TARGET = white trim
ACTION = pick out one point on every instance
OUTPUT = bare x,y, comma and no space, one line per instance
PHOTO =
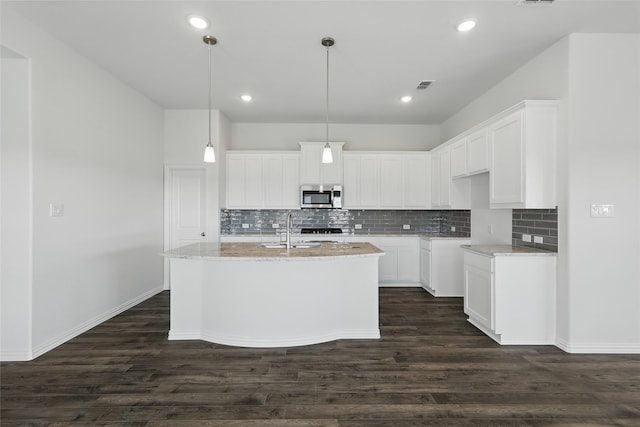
272,342
74,332
598,348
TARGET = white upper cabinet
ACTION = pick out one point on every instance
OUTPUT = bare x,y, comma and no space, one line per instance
362,178
445,192
281,176
313,171
522,147
416,177
386,180
261,180
391,183
459,159
478,152
518,149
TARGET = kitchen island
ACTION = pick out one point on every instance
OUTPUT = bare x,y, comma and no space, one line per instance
246,295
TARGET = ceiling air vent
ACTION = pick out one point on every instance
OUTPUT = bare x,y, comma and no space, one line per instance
535,2
424,84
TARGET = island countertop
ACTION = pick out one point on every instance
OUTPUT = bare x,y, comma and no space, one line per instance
253,251
506,250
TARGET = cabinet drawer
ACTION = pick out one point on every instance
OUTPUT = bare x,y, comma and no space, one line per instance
480,262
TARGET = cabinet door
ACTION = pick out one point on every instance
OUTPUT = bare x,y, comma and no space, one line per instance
388,266
478,152
281,190
445,178
435,179
361,181
506,179
353,182
391,181
310,164
459,159
370,181
425,268
478,291
409,261
235,181
253,185
416,182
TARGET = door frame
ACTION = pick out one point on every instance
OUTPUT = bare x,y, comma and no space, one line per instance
168,185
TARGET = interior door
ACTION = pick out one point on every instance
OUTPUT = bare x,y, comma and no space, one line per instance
187,207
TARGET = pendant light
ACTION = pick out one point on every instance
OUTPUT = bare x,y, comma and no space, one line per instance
209,154
327,156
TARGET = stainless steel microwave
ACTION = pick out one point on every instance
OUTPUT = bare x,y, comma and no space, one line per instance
321,196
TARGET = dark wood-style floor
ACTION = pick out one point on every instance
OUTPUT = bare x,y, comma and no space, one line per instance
431,368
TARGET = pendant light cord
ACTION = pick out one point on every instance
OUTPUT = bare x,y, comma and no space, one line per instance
209,92
327,105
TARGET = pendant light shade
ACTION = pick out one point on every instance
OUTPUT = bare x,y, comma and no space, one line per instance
209,153
327,156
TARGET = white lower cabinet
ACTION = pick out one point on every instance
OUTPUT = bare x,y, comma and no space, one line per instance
511,298
441,266
400,266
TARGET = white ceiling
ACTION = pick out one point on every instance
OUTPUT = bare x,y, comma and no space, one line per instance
272,50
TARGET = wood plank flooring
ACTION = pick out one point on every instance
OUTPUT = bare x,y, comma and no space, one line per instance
430,368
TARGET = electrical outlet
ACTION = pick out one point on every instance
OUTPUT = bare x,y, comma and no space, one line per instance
358,226
538,239
605,211
526,237
453,228
275,225
56,209
406,227
245,225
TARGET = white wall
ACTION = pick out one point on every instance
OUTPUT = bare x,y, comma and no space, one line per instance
604,167
96,148
15,208
285,136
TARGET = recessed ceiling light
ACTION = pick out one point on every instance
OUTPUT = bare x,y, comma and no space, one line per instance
246,98
406,99
467,25
198,22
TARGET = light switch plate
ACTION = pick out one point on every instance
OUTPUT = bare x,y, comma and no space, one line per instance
602,211
406,227
538,239
526,237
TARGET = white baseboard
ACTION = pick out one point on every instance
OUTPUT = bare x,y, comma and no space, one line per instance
598,348
72,333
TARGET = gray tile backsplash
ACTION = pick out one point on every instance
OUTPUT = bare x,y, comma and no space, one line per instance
372,221
536,222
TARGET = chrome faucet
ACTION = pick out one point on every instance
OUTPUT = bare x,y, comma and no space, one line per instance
289,224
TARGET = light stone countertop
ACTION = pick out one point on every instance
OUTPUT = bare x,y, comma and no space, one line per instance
252,251
506,250
307,237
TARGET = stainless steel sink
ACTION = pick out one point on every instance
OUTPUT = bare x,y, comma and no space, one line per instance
293,246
